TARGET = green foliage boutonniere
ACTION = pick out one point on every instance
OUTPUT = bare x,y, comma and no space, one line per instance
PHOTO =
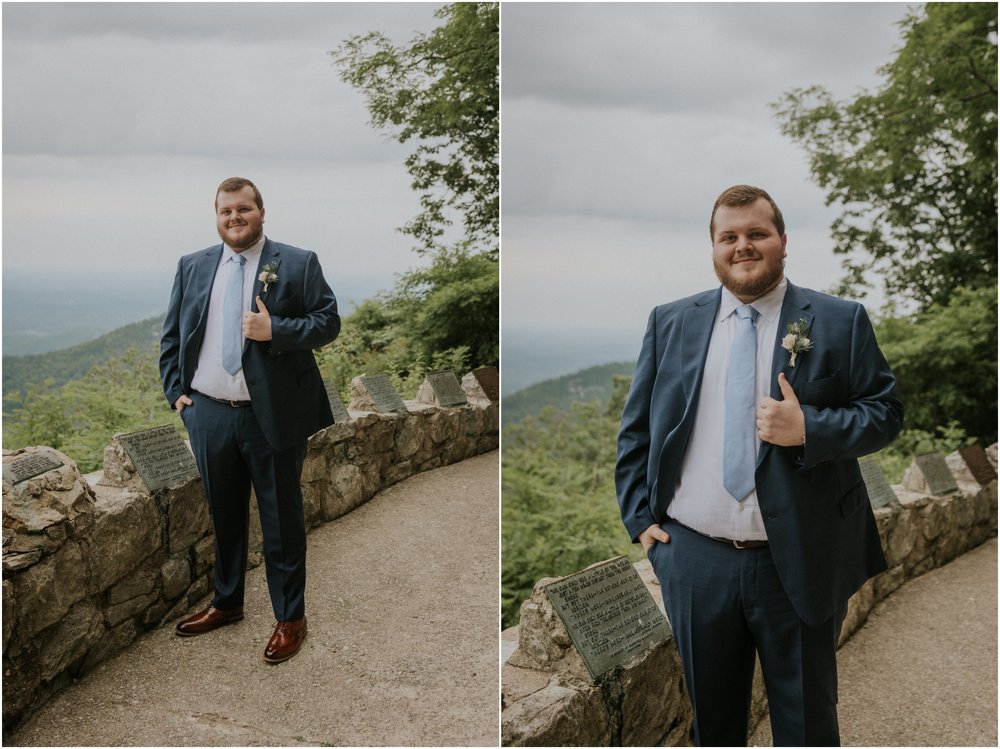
797,340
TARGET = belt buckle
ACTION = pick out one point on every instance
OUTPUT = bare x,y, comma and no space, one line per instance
740,545
234,404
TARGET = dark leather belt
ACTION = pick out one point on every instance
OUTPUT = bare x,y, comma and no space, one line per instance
727,541
234,404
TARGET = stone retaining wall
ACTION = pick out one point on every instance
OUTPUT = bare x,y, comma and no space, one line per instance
91,562
549,699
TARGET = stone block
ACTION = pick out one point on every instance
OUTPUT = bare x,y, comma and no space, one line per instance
9,611
64,643
176,576
136,607
902,538
409,438
188,519
126,530
204,555
142,582
111,642
558,716
653,697
47,590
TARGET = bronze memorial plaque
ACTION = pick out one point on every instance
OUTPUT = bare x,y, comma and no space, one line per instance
936,473
383,393
489,380
608,613
447,388
340,415
29,466
979,465
879,492
160,456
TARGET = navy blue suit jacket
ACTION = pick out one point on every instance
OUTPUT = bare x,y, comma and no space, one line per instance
285,385
814,504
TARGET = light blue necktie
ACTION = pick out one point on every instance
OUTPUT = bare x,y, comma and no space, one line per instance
232,310
738,459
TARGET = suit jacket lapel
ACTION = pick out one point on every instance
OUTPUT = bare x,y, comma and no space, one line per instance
696,334
269,254
208,265
795,307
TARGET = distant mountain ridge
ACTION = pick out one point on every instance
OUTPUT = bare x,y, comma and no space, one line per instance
591,384
74,362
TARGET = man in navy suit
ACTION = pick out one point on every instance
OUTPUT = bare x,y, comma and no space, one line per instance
236,361
737,471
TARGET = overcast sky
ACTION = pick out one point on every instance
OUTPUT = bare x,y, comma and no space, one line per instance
120,119
623,122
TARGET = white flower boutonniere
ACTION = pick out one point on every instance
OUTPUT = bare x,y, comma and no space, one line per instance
267,275
797,341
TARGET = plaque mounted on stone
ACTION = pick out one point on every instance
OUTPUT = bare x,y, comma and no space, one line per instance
489,380
979,464
442,389
340,415
609,614
29,466
879,492
378,393
160,456
937,475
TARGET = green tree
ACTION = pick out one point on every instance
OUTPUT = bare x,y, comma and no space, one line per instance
945,363
559,512
443,90
913,166
80,417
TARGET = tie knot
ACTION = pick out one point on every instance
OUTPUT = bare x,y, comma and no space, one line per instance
239,260
746,312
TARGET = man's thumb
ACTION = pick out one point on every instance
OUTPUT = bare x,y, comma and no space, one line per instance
786,388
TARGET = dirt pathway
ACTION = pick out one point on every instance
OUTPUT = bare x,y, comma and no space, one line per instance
923,670
402,599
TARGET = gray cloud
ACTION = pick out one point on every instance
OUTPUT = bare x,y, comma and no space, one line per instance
621,124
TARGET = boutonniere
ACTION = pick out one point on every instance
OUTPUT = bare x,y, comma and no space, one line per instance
267,275
797,341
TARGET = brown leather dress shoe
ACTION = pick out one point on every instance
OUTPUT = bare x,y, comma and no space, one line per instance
207,620
286,640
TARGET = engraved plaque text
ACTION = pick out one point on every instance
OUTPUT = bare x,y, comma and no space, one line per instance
879,492
447,388
936,473
608,613
383,393
160,456
22,469
340,415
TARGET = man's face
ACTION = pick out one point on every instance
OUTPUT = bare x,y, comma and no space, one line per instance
239,220
747,252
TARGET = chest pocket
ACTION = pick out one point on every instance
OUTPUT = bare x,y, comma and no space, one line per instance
826,392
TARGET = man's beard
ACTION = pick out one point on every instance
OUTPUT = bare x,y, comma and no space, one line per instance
751,288
245,242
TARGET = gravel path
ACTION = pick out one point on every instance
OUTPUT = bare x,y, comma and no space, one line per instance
403,604
923,670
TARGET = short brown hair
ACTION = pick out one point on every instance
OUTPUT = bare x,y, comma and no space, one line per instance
741,195
235,184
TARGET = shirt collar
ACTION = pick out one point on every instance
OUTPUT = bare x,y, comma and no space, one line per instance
251,253
767,306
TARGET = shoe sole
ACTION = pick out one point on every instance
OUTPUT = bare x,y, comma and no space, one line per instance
205,632
287,657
